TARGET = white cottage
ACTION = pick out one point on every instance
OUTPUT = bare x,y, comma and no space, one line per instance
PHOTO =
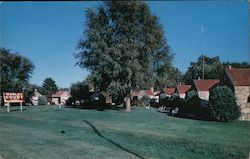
60,97
204,86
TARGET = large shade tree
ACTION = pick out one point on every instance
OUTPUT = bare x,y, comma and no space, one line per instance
16,71
123,47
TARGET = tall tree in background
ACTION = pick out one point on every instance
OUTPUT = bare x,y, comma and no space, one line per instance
80,91
213,69
237,64
123,45
16,71
49,87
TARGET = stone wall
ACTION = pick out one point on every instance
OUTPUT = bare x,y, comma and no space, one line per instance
242,93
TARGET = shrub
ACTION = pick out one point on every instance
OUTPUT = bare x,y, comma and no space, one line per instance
42,100
192,98
223,104
174,96
71,101
176,101
166,102
118,99
145,100
191,94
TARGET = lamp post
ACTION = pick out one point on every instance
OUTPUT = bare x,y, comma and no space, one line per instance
21,104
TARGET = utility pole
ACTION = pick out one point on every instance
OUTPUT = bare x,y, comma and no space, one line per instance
203,63
178,78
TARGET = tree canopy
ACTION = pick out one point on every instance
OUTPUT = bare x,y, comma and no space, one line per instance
237,64
213,68
16,71
123,47
80,90
49,87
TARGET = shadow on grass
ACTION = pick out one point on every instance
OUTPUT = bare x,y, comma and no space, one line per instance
94,107
114,143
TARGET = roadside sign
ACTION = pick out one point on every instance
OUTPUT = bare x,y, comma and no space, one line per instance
13,98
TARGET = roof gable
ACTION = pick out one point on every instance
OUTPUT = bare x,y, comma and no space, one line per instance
239,76
183,88
205,85
169,91
149,92
60,93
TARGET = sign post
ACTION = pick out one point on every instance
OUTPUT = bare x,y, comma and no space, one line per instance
13,98
21,106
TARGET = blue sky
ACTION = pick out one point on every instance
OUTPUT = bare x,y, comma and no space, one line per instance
47,33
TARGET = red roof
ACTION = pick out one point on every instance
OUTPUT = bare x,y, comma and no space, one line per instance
149,92
205,85
136,93
239,76
169,91
58,94
183,88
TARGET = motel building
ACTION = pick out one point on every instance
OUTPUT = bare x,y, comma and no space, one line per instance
60,97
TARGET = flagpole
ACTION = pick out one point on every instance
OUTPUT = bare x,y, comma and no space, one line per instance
203,36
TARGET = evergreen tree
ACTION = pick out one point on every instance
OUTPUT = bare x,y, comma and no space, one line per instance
49,87
223,104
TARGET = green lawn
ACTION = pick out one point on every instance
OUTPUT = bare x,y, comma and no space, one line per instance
143,133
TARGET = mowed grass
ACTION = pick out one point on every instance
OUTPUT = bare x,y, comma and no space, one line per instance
111,134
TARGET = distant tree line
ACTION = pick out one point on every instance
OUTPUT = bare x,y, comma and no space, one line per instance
213,68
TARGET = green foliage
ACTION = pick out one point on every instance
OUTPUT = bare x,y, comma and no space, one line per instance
80,91
213,69
191,94
236,64
174,96
192,100
123,47
71,101
168,78
16,71
145,100
223,103
42,100
49,87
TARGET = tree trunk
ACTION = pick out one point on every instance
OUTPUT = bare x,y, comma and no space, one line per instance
128,104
